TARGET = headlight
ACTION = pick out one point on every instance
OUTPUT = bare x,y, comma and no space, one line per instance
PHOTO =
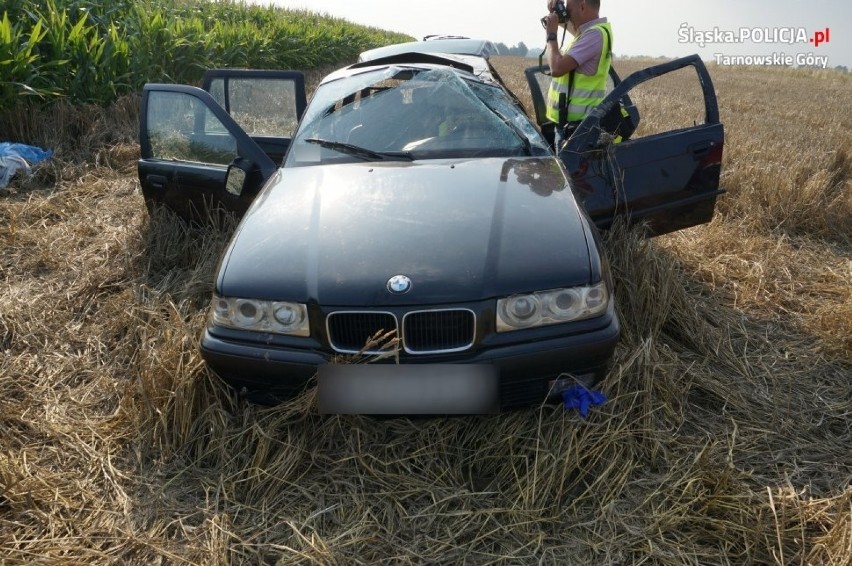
277,317
551,307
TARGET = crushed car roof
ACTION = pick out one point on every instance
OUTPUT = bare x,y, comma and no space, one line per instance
477,47
476,66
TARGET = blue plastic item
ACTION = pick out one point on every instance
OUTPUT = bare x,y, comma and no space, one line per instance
580,398
16,157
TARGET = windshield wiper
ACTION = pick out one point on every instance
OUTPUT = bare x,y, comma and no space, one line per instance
362,152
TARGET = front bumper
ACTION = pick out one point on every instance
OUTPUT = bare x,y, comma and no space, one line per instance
525,368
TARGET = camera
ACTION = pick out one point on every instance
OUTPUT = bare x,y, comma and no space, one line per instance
561,10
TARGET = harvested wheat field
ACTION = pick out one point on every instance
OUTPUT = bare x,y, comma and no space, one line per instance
727,437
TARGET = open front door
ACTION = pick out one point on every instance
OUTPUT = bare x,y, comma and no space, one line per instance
669,180
196,158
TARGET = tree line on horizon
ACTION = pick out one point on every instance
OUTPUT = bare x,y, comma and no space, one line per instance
520,49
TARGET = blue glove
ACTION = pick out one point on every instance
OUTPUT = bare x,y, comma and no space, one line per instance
580,398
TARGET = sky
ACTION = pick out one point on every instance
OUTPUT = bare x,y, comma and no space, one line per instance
669,28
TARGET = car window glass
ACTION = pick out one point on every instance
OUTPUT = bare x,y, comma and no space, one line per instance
432,114
671,102
327,95
262,107
181,127
496,100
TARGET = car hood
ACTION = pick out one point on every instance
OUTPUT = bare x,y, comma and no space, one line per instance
461,230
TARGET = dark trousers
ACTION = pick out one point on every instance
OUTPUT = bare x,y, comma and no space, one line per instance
561,134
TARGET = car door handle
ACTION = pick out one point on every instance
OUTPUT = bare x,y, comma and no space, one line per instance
157,181
699,150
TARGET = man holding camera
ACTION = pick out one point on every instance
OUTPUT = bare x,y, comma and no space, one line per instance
580,72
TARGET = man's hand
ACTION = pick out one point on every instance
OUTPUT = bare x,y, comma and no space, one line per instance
551,22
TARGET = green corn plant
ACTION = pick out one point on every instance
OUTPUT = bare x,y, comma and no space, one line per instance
22,70
92,51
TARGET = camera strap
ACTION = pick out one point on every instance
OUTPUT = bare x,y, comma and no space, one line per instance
564,100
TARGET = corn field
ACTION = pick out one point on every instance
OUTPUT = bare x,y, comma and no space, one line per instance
93,51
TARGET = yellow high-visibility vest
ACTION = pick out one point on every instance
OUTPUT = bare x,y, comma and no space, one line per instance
588,90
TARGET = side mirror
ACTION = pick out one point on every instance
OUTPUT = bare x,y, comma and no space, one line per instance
235,180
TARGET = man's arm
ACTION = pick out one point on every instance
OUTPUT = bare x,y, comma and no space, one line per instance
584,55
559,64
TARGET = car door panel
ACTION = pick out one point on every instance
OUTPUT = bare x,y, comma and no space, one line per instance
668,180
188,141
188,189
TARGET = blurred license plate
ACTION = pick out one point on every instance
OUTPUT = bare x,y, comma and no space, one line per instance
406,389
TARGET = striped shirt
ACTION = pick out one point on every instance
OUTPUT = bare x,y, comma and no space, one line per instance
586,50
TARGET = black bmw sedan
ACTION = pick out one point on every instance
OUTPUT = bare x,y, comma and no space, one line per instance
409,236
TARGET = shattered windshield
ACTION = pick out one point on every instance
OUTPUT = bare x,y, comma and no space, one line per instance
398,113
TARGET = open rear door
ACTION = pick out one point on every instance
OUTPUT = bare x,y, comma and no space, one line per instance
668,180
196,158
267,105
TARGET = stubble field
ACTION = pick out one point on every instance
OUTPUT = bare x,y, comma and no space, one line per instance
726,438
